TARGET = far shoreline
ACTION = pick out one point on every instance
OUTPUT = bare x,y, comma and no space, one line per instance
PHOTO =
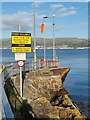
79,48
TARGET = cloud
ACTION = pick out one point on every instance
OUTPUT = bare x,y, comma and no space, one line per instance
56,6
56,27
68,13
65,11
10,22
59,27
36,4
82,24
0,22
72,8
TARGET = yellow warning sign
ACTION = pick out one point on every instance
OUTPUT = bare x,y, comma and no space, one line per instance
21,42
21,49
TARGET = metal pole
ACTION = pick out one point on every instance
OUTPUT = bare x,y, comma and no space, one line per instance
44,52
21,74
19,29
19,26
21,82
34,38
53,39
45,47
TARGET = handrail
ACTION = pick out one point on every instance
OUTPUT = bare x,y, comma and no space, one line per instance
0,98
13,69
7,71
5,109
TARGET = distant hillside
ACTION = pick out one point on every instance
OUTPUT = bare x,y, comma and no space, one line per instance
71,42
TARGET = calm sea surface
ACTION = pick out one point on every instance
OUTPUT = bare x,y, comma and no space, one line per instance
77,79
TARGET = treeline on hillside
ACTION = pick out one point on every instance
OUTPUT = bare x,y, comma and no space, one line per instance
71,42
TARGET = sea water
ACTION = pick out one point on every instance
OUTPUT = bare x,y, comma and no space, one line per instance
76,82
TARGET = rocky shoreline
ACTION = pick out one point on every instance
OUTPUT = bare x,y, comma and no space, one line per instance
44,92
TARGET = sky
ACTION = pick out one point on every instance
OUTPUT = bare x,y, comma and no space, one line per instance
71,18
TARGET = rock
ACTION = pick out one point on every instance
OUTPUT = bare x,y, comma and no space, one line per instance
43,109
46,95
66,102
46,86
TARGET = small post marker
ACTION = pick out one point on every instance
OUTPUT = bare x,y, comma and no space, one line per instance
21,64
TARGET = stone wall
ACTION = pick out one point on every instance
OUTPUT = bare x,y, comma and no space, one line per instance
46,95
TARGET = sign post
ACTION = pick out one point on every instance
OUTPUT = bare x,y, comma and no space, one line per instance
21,44
21,88
21,64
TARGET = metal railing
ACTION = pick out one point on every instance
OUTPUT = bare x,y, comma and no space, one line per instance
12,69
0,98
6,106
5,109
